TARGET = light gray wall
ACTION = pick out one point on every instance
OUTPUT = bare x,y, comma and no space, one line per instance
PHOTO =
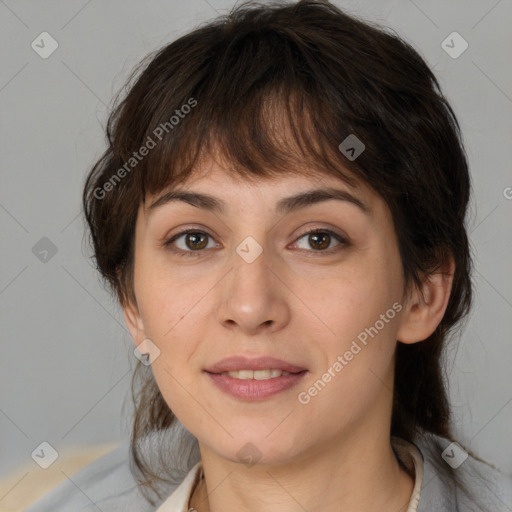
66,354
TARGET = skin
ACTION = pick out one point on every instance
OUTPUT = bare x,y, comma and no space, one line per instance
293,302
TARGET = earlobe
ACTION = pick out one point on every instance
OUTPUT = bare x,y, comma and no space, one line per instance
425,308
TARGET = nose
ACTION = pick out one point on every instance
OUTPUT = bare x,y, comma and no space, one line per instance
254,296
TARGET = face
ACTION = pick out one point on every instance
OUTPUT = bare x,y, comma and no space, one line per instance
248,280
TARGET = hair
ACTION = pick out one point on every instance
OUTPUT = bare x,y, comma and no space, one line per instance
273,89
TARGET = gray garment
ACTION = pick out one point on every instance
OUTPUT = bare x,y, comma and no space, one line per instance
107,485
439,489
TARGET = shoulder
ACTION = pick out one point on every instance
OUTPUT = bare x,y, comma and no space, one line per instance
106,484
455,481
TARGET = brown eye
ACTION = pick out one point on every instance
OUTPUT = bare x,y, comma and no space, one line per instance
320,239
188,243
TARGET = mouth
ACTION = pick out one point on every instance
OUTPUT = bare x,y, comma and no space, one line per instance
254,379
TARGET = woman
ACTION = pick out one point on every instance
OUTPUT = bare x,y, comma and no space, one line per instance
281,214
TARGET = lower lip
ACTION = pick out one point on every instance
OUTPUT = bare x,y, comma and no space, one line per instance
255,389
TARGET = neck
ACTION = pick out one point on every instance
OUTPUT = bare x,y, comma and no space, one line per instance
368,477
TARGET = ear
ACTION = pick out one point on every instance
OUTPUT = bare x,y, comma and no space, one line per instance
425,308
134,322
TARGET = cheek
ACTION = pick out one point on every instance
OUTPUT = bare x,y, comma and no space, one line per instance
182,393
166,297
358,308
354,297
354,341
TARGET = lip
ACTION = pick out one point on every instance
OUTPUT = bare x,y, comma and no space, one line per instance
255,389
233,363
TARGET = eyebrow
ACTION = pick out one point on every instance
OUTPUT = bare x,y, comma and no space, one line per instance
285,205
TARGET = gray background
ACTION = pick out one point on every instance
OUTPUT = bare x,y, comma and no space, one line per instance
66,354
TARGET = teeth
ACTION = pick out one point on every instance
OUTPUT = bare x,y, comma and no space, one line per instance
256,375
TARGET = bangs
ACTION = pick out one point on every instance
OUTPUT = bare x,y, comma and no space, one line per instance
262,137
258,112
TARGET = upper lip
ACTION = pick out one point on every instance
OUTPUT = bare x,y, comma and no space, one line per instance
233,363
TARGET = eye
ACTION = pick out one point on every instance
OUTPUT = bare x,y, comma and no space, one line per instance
320,239
192,244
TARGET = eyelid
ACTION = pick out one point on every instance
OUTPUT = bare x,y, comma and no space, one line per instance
166,239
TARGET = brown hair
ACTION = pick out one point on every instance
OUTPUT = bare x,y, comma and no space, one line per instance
318,75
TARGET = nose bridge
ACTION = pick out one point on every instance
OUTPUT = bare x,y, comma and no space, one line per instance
252,296
251,236
251,272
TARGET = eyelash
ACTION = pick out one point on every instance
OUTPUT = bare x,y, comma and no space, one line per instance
180,252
